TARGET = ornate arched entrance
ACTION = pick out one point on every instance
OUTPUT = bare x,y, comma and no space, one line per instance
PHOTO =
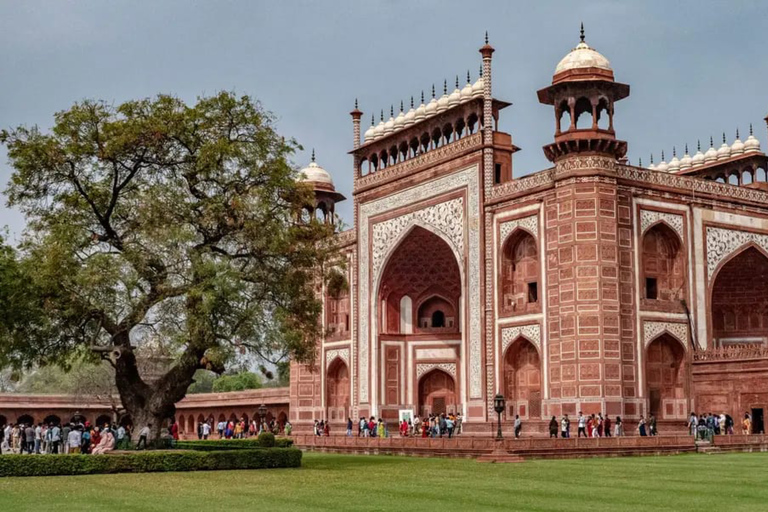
665,377
663,264
740,300
337,390
522,380
437,393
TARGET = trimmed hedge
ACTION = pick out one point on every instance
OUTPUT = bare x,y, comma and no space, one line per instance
230,444
149,461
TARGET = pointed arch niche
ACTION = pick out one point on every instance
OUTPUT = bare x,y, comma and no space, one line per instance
662,265
522,379
519,290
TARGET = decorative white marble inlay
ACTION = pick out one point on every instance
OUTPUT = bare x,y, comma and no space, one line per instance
466,178
530,224
650,217
722,242
652,329
530,332
422,369
341,353
447,218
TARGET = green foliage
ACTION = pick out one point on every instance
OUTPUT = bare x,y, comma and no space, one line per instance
237,382
81,378
266,439
145,462
230,444
156,220
203,382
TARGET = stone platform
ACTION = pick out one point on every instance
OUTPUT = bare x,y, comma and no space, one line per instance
476,447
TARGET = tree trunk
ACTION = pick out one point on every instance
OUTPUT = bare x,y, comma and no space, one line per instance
151,405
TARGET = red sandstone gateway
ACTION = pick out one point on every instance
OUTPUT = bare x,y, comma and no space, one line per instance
593,286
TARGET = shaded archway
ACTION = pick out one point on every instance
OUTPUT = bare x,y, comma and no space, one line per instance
26,419
519,290
740,300
437,393
102,419
337,390
436,313
52,419
663,264
522,380
665,377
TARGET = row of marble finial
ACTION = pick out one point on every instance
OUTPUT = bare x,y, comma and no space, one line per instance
712,155
424,111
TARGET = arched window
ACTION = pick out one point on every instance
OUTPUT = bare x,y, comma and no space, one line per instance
603,114
733,179
436,313
663,264
519,274
583,113
564,122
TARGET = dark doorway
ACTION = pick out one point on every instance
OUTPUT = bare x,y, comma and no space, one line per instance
438,319
438,405
757,421
655,401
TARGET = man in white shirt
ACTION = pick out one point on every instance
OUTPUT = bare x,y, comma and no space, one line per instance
206,430
74,439
143,436
38,437
582,425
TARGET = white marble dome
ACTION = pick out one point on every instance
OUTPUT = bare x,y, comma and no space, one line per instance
313,173
698,158
724,152
581,57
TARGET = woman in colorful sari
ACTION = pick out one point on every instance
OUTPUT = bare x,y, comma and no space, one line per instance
746,425
380,429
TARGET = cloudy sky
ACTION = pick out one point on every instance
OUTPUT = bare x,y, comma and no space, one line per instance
696,68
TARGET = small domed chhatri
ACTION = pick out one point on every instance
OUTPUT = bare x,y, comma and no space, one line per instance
316,175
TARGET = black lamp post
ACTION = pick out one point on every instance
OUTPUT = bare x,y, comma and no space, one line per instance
262,413
498,406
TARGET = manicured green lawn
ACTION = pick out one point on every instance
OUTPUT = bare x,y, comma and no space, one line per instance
348,482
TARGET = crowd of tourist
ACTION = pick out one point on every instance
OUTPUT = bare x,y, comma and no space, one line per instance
52,438
241,429
595,425
706,425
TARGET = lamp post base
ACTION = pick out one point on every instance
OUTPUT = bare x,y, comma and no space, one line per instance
500,455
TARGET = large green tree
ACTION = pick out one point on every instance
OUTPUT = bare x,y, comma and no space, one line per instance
154,220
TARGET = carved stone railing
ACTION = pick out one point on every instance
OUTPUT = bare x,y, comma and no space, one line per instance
423,160
732,353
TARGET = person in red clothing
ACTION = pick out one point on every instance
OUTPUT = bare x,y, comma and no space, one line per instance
174,430
372,427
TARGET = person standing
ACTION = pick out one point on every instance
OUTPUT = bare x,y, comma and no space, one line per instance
29,438
607,426
54,433
641,427
450,425
746,424
206,429
74,440
553,427
582,425
349,427
618,430
564,426
652,424
38,437
518,426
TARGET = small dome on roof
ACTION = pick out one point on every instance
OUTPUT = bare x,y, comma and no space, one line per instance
477,88
581,57
698,158
751,145
725,151
737,148
313,173
711,154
